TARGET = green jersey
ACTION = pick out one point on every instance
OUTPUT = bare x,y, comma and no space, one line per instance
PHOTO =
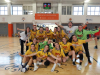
83,34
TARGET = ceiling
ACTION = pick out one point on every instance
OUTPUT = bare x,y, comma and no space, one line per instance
51,1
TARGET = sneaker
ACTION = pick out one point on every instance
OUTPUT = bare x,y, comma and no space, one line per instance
79,67
35,68
24,70
52,70
95,47
74,64
58,64
37,62
90,62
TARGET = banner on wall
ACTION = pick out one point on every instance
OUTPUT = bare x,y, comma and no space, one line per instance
46,16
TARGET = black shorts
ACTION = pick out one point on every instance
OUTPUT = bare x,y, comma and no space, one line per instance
77,52
71,47
66,54
34,57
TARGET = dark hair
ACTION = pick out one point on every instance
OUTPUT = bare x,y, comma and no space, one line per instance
48,48
96,27
26,30
71,38
33,44
71,22
58,44
66,39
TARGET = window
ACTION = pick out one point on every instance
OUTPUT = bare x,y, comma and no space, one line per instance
28,10
63,10
16,10
69,9
3,10
78,10
93,10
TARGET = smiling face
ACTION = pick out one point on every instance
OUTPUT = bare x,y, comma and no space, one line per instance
70,24
41,29
49,41
33,47
46,48
56,45
80,28
47,29
34,40
64,40
34,27
59,29
28,29
74,38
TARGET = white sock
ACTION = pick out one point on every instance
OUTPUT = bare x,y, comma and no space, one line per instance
23,64
73,59
40,63
35,65
58,64
27,66
54,66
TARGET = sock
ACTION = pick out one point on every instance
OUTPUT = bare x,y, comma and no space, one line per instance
54,66
23,64
58,64
35,65
40,63
73,59
27,66
80,63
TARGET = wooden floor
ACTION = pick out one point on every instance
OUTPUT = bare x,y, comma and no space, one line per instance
10,61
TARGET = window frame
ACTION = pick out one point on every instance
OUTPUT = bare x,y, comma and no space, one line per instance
78,10
3,10
17,9
94,10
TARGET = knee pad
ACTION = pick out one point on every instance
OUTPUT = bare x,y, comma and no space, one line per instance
47,63
34,57
81,56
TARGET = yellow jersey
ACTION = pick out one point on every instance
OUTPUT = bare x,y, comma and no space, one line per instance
59,52
49,34
78,48
36,46
65,47
41,53
40,35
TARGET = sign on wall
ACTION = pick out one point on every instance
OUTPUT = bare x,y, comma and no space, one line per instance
46,16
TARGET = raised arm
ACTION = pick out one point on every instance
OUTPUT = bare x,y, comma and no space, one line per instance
21,29
59,25
88,40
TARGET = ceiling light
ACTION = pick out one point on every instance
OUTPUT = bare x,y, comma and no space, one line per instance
7,0
86,1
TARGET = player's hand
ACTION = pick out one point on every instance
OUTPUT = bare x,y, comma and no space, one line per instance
59,59
17,28
26,41
20,54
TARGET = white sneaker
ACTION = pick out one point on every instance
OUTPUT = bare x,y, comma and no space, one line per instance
80,67
58,64
35,68
24,70
52,70
37,62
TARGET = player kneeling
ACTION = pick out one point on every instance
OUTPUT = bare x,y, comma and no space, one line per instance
78,49
30,60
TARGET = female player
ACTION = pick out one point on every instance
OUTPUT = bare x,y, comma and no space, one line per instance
78,49
24,36
61,34
29,59
82,34
57,52
34,42
68,50
55,34
44,56
33,32
40,35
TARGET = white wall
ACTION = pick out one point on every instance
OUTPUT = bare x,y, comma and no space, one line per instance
62,18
